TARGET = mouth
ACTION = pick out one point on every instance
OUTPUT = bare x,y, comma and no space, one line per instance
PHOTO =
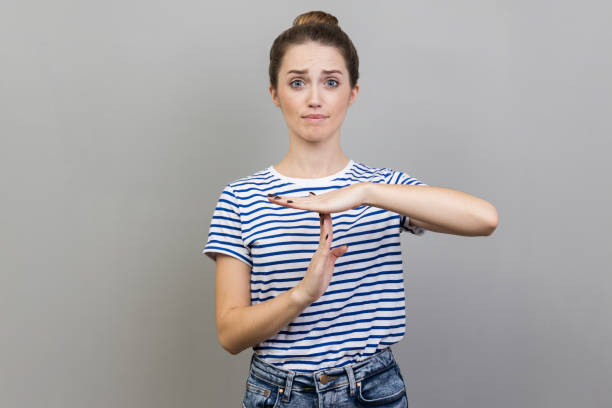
314,118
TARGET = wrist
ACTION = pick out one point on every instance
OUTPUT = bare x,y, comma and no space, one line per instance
298,297
366,188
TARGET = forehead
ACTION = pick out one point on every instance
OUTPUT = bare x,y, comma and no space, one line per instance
313,57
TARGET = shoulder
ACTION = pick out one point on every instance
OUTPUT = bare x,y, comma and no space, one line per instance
374,174
239,188
387,175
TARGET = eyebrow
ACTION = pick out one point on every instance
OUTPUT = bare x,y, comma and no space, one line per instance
303,71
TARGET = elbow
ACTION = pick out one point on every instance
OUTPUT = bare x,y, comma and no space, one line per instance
229,343
227,346
491,222
484,221
489,230
232,352
227,336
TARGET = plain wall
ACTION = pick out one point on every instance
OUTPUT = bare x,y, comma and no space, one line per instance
121,122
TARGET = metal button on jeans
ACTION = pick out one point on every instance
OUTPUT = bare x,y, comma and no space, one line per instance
326,378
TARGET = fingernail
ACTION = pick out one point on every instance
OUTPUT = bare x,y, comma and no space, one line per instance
326,235
289,201
277,197
312,193
270,195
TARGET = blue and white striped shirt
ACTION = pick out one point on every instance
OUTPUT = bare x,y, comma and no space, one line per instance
363,308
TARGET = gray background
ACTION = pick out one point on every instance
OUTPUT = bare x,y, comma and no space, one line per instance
121,121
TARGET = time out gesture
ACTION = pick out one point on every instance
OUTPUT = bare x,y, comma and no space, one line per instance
321,267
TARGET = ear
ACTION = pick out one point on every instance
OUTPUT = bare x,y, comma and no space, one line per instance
274,95
353,94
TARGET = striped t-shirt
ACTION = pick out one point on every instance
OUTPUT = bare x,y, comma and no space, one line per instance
363,309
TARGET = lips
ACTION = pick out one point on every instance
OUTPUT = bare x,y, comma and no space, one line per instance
315,116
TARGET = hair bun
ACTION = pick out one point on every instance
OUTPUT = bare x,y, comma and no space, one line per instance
315,17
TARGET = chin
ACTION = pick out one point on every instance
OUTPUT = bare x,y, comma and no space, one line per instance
316,135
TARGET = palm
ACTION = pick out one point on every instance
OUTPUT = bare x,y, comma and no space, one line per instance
321,267
334,201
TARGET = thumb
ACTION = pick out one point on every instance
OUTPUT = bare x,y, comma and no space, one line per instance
339,251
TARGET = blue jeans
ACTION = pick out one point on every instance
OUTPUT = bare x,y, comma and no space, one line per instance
373,382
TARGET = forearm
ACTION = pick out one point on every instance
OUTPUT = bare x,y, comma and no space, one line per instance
246,326
452,210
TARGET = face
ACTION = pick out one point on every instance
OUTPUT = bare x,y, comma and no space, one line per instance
305,88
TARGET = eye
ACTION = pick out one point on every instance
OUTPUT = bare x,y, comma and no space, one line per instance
294,81
333,80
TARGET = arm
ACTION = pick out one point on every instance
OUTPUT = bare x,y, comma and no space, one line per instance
437,209
240,325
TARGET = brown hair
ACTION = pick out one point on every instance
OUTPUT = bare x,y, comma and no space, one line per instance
317,26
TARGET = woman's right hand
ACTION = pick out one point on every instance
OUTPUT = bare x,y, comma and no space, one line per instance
319,273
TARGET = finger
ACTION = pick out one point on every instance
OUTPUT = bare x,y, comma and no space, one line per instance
339,251
324,238
326,231
322,230
327,225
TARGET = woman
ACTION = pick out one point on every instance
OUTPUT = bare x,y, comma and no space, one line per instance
321,327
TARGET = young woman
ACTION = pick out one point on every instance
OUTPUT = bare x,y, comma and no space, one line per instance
308,264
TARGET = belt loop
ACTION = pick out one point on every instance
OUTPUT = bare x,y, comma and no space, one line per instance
351,378
251,363
288,385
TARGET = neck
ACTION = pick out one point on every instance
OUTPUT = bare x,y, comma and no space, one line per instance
312,160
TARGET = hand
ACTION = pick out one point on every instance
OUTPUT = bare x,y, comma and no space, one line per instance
333,201
321,267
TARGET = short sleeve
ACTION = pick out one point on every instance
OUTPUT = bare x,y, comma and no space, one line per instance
225,232
398,177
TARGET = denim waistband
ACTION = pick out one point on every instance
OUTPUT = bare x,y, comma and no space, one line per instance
332,377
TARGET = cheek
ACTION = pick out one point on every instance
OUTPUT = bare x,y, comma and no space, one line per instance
292,105
340,106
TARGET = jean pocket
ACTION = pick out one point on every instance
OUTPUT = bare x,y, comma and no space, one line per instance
381,388
259,393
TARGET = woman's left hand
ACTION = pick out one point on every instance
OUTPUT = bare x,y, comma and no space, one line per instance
333,201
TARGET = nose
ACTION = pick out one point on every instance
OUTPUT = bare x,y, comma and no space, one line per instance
313,97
